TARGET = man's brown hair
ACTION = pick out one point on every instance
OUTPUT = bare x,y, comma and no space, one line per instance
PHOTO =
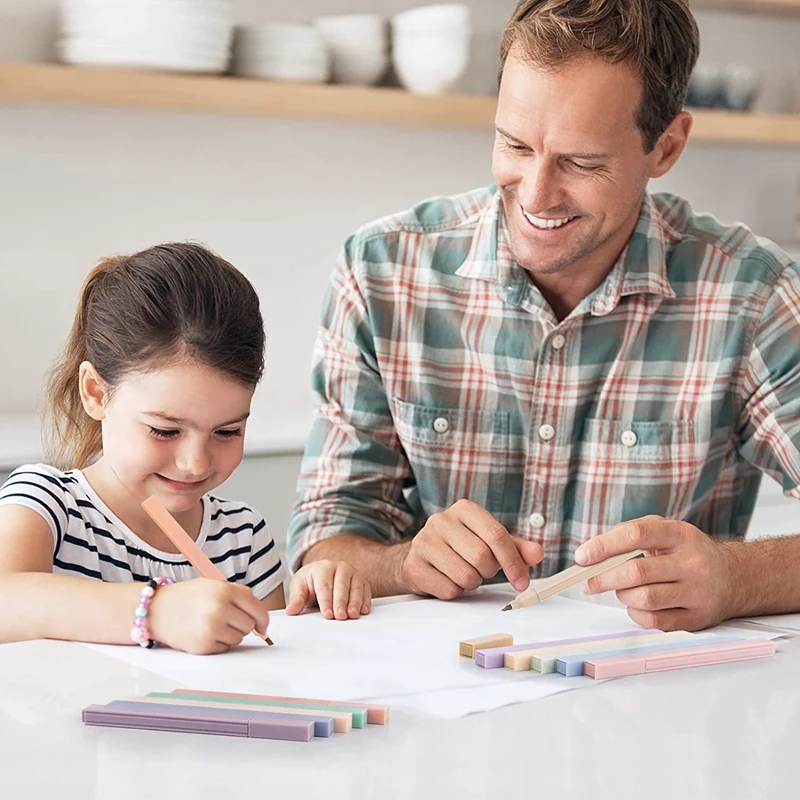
658,38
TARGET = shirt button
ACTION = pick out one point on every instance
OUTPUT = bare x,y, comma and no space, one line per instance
557,342
547,432
537,520
629,438
441,425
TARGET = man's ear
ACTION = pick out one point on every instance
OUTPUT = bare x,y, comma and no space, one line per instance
670,145
94,394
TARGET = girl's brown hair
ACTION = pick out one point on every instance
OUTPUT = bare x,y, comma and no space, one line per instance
153,308
659,38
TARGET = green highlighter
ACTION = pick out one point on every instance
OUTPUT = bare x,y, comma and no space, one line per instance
359,714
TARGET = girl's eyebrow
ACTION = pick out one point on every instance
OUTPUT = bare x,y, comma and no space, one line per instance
187,423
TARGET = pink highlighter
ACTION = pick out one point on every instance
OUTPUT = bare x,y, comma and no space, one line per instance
178,536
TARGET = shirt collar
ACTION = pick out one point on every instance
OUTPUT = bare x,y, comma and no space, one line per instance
640,269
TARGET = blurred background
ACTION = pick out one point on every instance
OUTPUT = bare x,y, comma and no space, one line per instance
94,165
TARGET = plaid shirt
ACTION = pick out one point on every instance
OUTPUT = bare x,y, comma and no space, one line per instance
441,373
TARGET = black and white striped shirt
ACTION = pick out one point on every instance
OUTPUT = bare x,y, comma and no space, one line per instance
90,541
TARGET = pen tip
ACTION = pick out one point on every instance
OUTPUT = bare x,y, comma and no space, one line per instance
507,608
269,641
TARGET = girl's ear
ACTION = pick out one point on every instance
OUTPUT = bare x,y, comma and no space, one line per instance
93,391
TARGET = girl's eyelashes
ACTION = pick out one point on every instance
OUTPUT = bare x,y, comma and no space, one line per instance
223,433
229,433
161,433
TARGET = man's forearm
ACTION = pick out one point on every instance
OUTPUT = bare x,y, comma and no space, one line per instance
765,575
380,564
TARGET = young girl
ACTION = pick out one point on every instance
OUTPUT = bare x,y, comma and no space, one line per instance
151,397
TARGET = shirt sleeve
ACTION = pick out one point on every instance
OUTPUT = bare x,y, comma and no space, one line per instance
770,423
354,469
265,570
33,487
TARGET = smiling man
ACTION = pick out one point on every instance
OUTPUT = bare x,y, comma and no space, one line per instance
562,366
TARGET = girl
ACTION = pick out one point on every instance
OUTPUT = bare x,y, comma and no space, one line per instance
151,397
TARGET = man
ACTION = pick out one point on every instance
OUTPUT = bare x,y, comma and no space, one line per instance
562,367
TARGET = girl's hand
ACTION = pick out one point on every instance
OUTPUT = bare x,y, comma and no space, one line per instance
203,616
336,587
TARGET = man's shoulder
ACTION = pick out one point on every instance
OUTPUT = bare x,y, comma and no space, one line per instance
699,243
435,216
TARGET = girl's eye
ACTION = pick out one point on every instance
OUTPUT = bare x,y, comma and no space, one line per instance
229,433
161,433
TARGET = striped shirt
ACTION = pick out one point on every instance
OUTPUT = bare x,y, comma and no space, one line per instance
90,541
440,372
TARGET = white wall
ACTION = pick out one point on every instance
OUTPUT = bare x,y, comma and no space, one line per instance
278,197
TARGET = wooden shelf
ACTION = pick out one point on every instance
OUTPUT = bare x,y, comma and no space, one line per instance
56,83
780,7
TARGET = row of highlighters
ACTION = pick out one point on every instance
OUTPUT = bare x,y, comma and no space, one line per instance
253,716
614,655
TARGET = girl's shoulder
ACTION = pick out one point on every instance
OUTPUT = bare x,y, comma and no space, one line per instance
53,481
231,513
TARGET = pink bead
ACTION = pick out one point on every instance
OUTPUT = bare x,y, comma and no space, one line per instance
145,601
139,635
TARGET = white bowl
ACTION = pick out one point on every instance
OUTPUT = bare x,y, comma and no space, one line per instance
283,70
352,28
430,64
358,45
427,19
359,69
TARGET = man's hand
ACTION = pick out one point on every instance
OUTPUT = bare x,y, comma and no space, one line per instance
459,547
685,582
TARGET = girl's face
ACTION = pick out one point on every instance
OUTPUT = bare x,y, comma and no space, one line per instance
176,432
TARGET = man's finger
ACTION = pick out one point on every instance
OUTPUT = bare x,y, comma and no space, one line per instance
654,597
472,549
499,541
647,533
441,556
429,580
673,619
636,572
530,552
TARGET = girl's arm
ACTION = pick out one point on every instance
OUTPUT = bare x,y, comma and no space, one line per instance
39,605
275,600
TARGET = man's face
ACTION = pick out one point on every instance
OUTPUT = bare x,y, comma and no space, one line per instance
570,164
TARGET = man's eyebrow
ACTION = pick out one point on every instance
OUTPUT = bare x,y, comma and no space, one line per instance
582,155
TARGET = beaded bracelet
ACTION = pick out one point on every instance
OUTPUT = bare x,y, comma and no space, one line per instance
140,632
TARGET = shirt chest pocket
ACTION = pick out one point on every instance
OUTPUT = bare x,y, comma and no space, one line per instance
454,453
625,470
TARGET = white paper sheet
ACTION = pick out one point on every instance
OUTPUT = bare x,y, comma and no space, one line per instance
404,654
400,650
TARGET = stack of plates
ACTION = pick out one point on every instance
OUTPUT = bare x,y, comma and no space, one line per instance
181,35
282,52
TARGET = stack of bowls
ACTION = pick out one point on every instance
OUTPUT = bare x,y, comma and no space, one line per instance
282,52
181,35
430,46
358,47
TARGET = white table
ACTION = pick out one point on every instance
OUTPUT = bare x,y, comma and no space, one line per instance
730,732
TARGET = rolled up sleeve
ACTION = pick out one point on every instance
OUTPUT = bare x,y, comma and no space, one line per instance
354,470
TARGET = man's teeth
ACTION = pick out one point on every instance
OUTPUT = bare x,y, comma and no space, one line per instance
544,224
